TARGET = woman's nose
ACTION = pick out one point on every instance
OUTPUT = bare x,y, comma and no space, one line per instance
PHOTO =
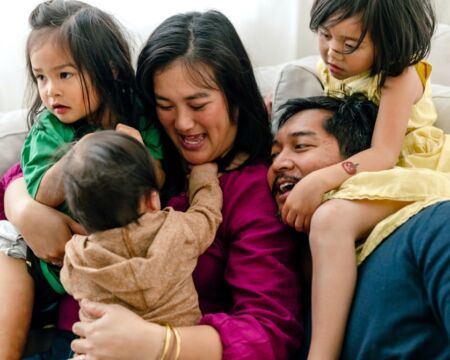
184,120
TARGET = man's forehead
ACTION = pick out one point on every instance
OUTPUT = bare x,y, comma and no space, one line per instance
304,123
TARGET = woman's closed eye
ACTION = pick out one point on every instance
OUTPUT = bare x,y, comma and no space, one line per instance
198,107
164,107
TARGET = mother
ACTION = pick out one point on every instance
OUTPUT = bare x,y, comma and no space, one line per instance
196,79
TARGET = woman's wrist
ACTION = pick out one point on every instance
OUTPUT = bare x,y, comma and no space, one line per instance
171,345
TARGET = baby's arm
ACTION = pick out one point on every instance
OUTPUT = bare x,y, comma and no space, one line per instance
398,95
205,195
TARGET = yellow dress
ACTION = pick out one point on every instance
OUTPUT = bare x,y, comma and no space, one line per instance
425,148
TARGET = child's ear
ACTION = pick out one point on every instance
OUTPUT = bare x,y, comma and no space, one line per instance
153,201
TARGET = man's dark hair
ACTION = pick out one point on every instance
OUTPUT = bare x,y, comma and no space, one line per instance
351,121
105,176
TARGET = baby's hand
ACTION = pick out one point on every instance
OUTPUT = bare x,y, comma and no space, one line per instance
304,199
130,131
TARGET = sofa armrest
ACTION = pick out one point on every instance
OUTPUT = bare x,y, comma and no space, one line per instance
13,129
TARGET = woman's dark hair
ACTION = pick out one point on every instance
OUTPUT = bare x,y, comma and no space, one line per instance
400,30
99,49
105,176
351,122
196,40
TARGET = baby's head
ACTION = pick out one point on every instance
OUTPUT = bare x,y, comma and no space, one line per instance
79,64
109,180
383,36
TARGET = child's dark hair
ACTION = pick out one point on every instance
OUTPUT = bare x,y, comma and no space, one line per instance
106,175
400,30
99,49
351,123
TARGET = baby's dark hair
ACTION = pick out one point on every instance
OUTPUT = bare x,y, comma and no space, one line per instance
99,48
351,123
400,30
106,174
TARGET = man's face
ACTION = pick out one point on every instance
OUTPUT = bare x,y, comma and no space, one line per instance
300,147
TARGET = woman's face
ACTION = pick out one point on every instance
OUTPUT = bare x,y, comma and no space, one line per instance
194,116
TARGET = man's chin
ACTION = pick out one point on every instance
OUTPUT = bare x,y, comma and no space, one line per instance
280,199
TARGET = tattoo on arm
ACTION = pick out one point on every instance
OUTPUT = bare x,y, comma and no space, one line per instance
349,167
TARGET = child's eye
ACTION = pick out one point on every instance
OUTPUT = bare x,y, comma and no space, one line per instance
324,34
39,77
349,47
65,75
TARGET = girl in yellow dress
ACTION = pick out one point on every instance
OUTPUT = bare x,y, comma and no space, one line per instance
376,47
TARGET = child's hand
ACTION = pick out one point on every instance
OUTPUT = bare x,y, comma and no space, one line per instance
130,131
303,200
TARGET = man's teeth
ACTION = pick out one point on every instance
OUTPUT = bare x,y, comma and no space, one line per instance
286,187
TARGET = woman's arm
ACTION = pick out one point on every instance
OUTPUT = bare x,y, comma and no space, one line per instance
117,330
45,229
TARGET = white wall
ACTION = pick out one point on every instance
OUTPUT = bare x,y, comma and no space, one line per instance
268,28
273,31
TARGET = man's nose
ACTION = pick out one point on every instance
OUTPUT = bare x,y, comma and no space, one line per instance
282,162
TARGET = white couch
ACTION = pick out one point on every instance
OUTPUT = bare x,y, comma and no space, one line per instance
286,80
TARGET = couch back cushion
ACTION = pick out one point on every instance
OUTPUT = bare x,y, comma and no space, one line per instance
13,129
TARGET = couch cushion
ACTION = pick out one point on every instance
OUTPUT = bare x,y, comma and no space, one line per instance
13,128
294,81
440,55
298,79
441,100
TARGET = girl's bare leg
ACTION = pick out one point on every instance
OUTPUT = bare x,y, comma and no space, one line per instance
16,299
335,226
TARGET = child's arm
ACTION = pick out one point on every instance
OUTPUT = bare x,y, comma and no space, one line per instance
45,229
397,98
51,188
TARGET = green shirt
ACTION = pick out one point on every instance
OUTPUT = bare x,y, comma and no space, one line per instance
49,135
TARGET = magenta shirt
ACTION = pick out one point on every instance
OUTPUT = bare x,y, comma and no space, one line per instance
13,173
247,280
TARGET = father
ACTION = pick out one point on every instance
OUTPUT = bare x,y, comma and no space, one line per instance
401,307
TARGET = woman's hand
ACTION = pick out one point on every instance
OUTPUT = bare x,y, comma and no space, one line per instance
116,333
45,229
